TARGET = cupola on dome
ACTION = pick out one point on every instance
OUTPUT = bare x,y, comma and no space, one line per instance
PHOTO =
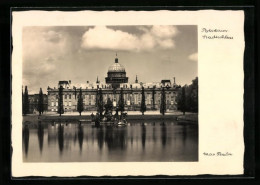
116,74
116,67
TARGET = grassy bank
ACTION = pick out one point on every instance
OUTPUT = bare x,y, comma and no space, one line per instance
187,117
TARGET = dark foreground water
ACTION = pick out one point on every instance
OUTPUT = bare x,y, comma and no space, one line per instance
147,141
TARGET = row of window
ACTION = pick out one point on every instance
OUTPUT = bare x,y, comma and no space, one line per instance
136,98
56,104
127,102
69,96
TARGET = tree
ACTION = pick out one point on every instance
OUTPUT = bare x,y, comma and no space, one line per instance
40,107
143,106
100,106
121,104
153,97
25,102
75,92
181,99
60,101
163,102
187,98
109,104
80,106
194,95
22,101
97,98
108,109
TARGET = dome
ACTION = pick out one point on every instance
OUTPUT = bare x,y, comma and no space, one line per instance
116,67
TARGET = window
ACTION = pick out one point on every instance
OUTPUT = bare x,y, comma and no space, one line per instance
65,103
93,100
69,103
139,97
57,96
56,103
52,103
52,110
135,99
70,96
65,96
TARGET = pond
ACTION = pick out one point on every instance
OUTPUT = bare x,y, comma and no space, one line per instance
138,141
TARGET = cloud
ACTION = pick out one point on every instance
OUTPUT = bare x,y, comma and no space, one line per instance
164,31
49,59
38,74
101,37
105,38
42,67
52,36
194,57
45,52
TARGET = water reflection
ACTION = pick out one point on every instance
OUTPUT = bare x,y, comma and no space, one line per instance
163,134
154,134
80,136
143,135
51,134
184,134
135,142
131,136
100,137
40,135
61,137
26,134
115,138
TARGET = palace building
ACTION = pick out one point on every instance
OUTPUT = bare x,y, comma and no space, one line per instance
115,81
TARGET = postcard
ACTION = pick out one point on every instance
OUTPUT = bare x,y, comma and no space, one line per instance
127,93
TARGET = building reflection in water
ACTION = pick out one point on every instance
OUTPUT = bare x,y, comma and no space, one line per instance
143,133
131,135
75,138
163,134
52,132
115,138
26,134
61,137
184,135
171,141
40,135
154,134
80,136
100,137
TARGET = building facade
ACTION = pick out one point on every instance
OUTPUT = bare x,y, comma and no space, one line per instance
115,81
33,103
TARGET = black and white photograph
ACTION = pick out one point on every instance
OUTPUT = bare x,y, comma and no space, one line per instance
125,93
110,93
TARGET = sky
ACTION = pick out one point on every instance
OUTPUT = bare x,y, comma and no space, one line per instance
81,53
